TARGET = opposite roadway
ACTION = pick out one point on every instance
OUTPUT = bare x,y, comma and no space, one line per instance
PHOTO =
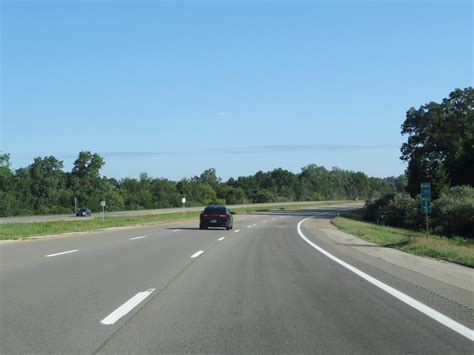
172,288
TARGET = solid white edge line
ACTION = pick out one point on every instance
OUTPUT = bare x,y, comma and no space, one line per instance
176,230
237,231
196,254
126,307
62,253
140,237
430,312
221,238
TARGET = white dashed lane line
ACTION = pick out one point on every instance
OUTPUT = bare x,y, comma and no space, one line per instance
221,238
176,230
140,237
196,254
62,253
237,231
126,307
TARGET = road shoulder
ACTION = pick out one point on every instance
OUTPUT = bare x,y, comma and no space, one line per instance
445,286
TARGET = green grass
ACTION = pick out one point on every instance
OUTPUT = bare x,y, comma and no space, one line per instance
24,230
454,249
21,230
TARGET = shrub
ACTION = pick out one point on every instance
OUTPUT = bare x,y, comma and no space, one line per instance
263,196
316,196
400,211
232,195
373,209
453,212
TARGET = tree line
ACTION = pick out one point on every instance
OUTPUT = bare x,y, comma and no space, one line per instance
440,144
43,187
439,150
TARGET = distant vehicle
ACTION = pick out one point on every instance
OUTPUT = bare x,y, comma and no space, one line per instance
84,212
216,216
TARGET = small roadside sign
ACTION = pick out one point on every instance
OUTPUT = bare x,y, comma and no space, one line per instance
425,191
102,203
183,200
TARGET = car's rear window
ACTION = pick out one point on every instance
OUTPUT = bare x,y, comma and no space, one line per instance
214,210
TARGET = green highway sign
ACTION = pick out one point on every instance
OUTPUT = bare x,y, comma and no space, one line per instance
425,191
426,210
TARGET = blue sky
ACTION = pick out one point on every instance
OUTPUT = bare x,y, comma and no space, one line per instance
174,88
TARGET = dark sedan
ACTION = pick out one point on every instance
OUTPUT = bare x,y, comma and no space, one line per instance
84,212
216,216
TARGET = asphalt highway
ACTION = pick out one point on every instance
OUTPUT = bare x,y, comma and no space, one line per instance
263,287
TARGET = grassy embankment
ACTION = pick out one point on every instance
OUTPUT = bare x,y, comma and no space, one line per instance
30,229
456,249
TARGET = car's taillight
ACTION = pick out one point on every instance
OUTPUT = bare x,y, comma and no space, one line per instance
223,216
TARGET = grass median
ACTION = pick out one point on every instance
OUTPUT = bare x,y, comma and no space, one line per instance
34,229
455,249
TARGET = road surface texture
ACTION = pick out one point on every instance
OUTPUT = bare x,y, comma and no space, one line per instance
263,287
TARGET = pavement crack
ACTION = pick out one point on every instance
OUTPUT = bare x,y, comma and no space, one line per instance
142,305
150,299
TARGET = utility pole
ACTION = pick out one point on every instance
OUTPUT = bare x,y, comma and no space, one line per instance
427,230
